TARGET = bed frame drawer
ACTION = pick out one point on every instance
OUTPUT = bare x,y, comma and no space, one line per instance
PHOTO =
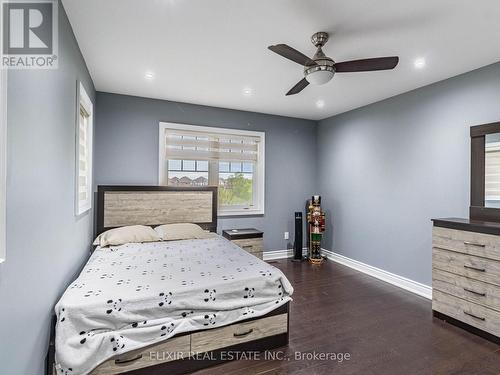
473,314
472,243
477,268
471,290
168,351
238,333
261,333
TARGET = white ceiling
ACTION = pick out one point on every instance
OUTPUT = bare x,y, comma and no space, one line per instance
208,51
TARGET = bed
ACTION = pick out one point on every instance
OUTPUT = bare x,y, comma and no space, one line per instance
170,306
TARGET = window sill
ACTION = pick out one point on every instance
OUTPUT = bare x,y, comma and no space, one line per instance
240,213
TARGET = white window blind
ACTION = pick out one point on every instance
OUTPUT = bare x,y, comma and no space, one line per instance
192,145
492,171
84,153
83,156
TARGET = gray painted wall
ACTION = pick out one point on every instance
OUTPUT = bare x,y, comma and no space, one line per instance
46,244
388,168
126,152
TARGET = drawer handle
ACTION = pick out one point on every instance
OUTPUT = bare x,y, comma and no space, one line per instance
474,292
475,268
119,361
244,333
247,246
474,316
474,244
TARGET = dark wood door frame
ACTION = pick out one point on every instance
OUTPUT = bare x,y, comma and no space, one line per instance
477,210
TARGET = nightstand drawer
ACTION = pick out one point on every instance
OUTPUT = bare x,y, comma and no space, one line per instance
251,244
258,254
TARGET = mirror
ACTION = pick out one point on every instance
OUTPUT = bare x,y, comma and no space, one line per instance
485,172
492,170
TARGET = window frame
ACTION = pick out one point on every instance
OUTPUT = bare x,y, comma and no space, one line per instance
213,166
84,102
3,164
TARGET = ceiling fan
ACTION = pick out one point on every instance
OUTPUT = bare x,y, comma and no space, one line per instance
321,68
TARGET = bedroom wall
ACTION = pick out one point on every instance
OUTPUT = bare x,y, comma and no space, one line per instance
46,243
388,168
126,152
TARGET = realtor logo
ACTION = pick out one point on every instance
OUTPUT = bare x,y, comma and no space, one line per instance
29,34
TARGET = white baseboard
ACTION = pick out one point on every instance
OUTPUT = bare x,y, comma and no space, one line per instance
280,254
391,278
277,254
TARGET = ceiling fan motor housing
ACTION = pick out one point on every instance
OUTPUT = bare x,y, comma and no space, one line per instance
324,70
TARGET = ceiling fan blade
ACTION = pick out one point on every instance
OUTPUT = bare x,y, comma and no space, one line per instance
291,54
366,65
301,85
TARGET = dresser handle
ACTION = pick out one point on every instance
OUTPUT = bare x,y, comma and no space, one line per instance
474,244
474,316
474,268
119,361
244,333
474,292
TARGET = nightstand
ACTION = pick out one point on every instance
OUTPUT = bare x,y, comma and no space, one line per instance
249,239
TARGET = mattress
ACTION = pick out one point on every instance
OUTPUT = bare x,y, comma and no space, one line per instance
135,295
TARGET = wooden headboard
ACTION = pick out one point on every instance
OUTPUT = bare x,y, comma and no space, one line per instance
155,205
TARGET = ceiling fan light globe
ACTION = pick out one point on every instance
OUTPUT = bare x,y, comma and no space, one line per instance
319,77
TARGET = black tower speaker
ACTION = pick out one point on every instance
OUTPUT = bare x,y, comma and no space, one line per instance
298,237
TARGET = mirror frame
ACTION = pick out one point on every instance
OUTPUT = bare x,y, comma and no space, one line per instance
477,210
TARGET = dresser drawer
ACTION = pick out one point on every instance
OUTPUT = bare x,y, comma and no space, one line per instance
238,333
479,244
466,265
167,351
472,290
476,315
252,245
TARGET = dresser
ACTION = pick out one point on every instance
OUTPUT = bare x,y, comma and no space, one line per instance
466,275
249,239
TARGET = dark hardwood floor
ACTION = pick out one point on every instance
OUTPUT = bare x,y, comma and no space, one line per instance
385,329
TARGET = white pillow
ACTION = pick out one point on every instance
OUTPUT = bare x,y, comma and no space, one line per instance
128,234
181,231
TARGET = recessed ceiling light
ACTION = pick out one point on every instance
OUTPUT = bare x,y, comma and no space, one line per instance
247,91
149,75
419,63
320,103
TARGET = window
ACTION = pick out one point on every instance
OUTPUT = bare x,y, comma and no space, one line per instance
3,160
84,153
231,159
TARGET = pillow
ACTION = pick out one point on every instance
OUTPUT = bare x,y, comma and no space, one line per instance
181,231
128,234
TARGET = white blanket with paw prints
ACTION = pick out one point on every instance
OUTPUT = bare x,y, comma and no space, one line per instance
135,295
